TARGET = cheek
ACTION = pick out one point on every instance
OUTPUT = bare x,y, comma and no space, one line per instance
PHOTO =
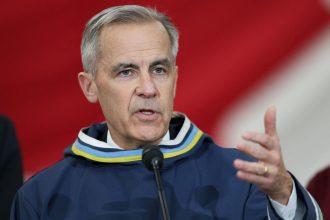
109,99
168,96
117,102
120,99
172,88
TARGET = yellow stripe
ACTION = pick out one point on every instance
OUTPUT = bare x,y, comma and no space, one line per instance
105,160
136,158
186,149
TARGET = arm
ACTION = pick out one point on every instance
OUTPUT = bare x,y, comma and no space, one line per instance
306,206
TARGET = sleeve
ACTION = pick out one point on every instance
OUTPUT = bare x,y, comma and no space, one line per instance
255,205
312,210
294,210
22,209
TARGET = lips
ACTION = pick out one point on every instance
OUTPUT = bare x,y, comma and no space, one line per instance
147,114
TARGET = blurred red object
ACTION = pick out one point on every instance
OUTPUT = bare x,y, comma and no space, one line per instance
319,187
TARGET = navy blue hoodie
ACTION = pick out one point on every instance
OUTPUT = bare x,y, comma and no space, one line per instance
95,182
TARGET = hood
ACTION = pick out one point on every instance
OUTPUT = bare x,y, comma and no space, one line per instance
91,144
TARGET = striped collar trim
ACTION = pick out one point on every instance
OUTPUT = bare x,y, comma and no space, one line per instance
188,143
90,141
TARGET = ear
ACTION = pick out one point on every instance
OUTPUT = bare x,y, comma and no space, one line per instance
87,85
176,78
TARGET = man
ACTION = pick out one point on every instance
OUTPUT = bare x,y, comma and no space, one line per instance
11,175
129,58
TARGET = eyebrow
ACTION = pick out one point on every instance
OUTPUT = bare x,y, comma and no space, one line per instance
165,62
122,66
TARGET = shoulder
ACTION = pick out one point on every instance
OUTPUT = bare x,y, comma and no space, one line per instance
9,145
6,128
49,179
225,153
5,120
215,159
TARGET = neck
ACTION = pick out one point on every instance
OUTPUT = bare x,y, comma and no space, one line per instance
131,145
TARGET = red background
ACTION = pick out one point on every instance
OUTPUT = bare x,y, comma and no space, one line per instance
226,47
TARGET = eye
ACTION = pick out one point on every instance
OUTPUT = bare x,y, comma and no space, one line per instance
125,73
159,71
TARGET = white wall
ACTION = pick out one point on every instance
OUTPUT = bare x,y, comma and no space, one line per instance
301,91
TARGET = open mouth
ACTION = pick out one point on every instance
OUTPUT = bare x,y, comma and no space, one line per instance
146,111
147,114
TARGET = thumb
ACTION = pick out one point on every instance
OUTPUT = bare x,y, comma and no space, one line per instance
270,121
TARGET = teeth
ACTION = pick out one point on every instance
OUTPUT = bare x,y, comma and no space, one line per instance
147,112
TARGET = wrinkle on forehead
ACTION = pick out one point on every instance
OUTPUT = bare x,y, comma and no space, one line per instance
137,50
134,40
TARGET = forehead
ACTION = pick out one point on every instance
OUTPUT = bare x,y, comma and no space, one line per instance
133,40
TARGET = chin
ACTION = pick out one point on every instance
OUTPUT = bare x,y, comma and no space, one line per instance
151,135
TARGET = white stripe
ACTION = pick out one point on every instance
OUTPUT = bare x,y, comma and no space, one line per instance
178,139
182,133
268,213
92,141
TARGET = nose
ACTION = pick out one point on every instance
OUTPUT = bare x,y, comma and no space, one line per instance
146,87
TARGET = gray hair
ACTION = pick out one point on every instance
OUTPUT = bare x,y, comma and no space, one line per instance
90,50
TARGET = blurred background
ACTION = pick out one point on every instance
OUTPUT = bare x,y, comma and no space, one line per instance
236,58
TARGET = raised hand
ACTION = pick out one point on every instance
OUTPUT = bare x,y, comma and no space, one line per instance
269,172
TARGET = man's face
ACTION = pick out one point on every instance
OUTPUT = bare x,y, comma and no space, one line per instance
135,83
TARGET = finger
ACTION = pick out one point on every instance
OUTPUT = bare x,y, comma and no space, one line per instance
259,138
253,178
254,150
270,121
250,167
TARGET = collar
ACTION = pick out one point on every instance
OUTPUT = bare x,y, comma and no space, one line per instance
89,145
